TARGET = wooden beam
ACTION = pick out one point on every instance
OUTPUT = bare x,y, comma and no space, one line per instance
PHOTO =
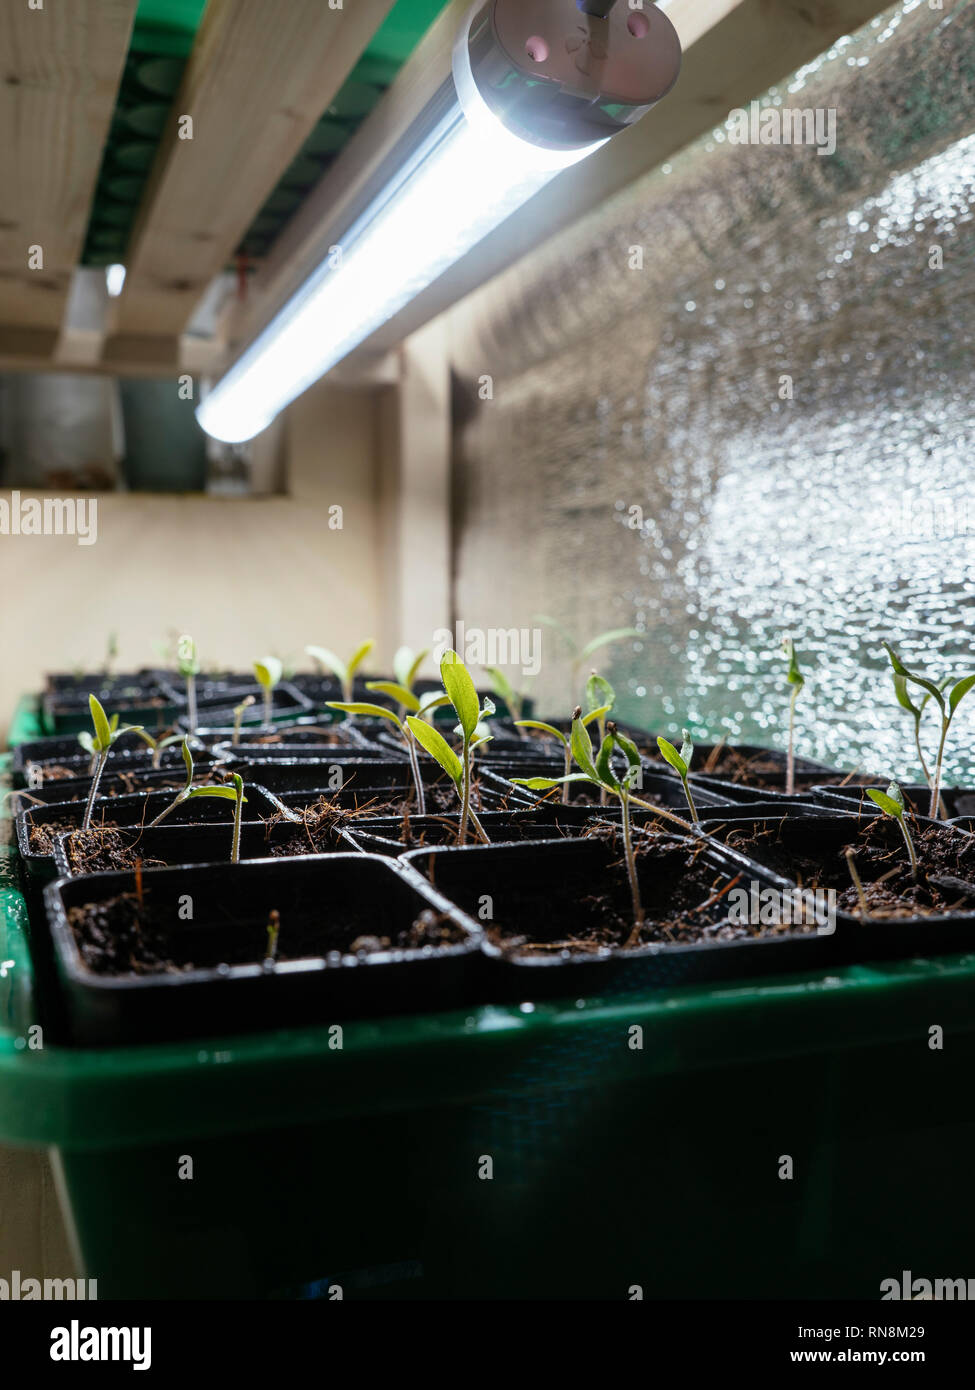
733,50
260,76
305,240
59,73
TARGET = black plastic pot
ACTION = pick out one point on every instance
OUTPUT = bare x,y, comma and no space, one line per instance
958,801
217,721
43,774
791,842
145,703
71,683
663,786
773,809
189,844
138,809
808,776
324,774
112,785
532,887
384,834
325,904
374,784
301,740
57,748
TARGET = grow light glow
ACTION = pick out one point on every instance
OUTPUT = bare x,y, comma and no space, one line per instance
467,177
114,280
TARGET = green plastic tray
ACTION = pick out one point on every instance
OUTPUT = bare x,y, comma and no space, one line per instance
612,1166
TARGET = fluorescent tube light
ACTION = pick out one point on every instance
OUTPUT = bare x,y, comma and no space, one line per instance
114,279
466,175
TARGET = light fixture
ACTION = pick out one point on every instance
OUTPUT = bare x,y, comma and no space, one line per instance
536,86
114,280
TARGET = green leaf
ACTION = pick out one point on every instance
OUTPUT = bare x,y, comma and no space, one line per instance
400,693
686,749
596,714
887,803
901,670
433,701
103,730
959,691
671,755
356,661
629,748
793,675
544,784
418,661
604,765
463,695
186,658
438,748
228,793
371,711
903,698
501,684
268,672
85,739
188,761
545,728
113,723
600,696
615,634
581,745
328,661
478,742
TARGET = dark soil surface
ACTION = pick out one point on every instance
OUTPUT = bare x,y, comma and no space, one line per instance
946,866
683,900
41,837
126,936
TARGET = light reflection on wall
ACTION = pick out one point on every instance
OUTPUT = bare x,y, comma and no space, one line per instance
639,463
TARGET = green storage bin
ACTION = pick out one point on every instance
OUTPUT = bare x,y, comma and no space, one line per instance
612,1167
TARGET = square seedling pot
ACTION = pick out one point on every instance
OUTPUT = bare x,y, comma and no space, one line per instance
759,774
207,926
809,851
543,892
216,721
142,702
137,809
957,801
164,845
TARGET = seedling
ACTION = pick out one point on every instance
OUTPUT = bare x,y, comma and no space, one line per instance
239,712
956,694
891,803
857,882
592,768
273,930
188,665
597,689
407,701
462,695
99,744
326,660
187,791
158,746
915,711
234,794
111,652
797,680
268,674
580,653
597,768
681,763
